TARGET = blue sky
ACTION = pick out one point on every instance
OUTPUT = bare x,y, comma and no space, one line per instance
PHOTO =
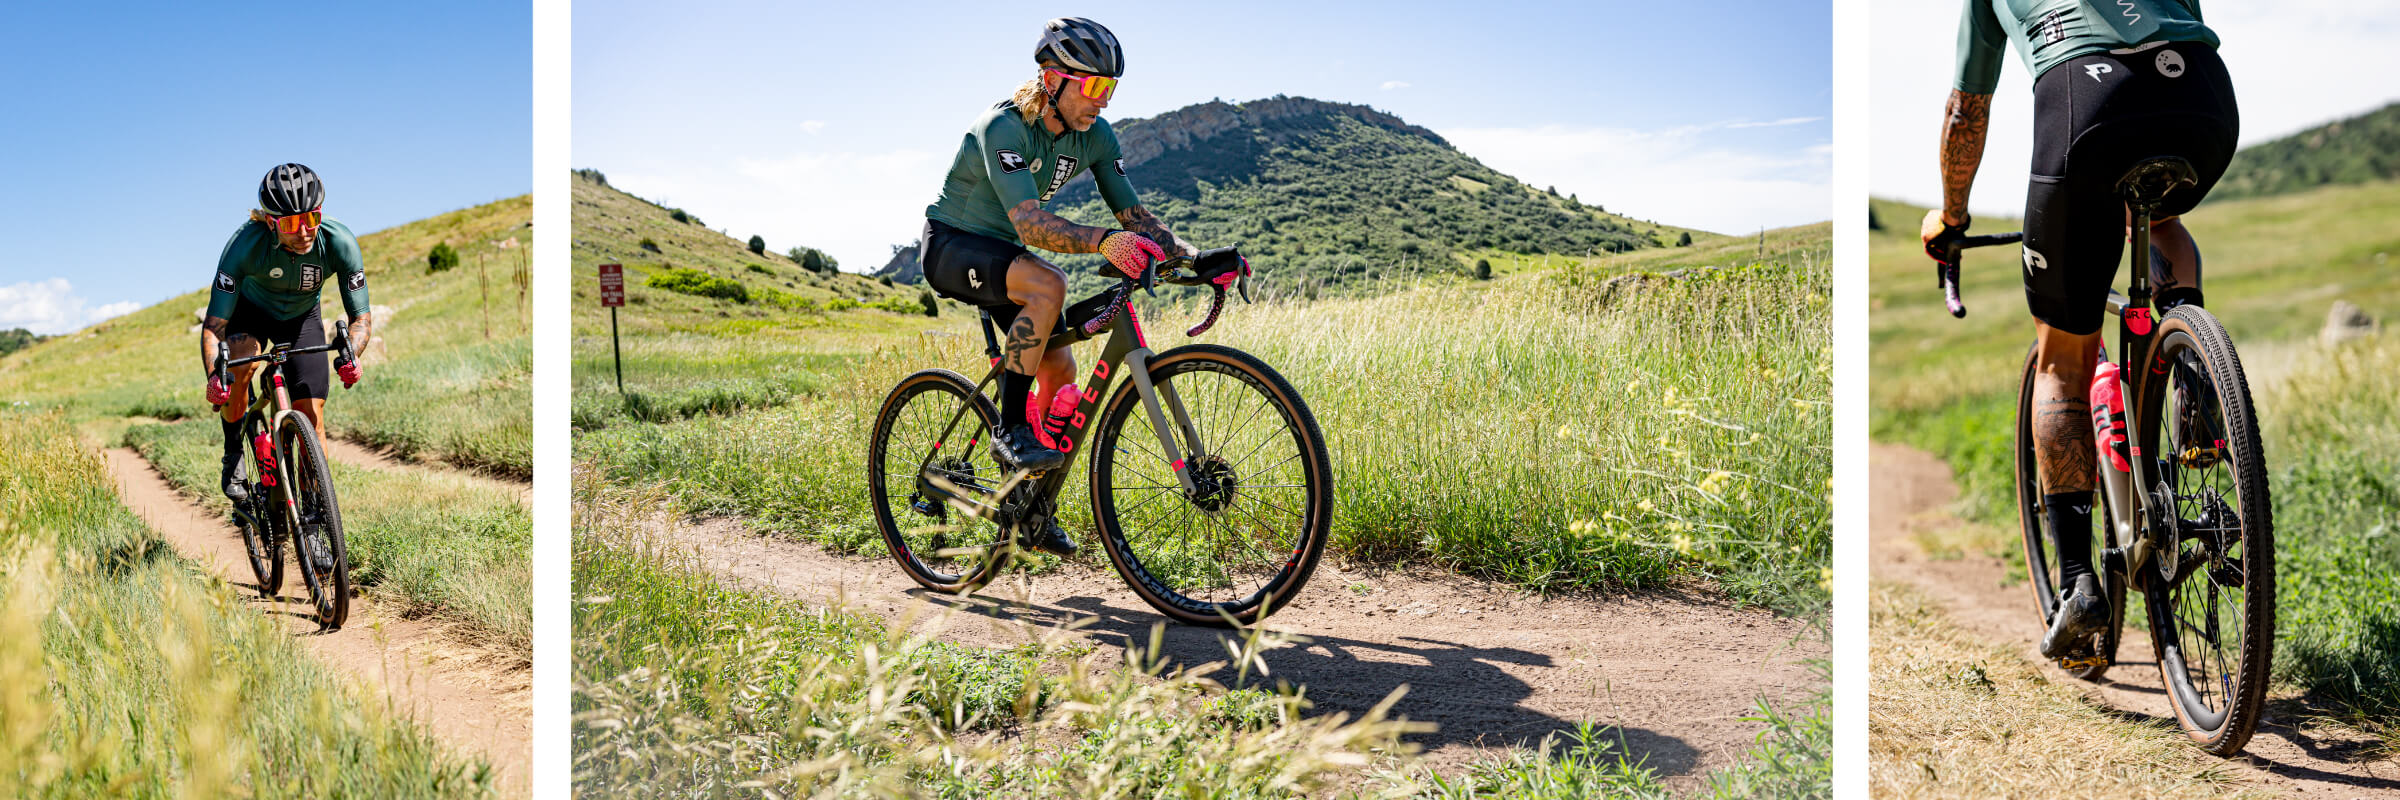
830,124
137,132
2295,64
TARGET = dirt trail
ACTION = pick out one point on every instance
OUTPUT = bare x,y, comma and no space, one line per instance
473,700
359,455
1491,666
1913,494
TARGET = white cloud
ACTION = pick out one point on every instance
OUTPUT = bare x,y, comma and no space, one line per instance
812,126
1774,123
853,205
1390,85
1674,176
51,307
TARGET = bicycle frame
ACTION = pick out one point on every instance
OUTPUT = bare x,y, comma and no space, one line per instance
2136,328
270,407
1127,348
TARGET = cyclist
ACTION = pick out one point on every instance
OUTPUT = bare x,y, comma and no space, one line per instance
1014,157
266,290
2114,83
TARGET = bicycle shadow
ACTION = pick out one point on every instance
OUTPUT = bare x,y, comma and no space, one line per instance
1462,689
2275,724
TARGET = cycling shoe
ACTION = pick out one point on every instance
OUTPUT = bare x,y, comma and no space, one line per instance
1051,539
2081,613
236,489
1018,448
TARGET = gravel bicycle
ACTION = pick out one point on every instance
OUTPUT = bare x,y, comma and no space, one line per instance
2186,517
298,502
1210,483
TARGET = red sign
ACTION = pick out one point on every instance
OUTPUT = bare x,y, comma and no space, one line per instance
612,285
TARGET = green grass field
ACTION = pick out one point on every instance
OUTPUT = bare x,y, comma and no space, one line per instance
124,673
2273,266
162,682
1649,431
1707,458
688,688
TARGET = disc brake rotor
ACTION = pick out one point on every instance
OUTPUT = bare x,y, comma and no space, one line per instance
1214,484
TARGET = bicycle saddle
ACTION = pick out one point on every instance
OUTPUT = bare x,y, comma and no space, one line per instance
2148,182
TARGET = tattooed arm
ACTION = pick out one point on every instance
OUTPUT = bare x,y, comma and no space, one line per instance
1038,228
1141,221
212,331
1965,121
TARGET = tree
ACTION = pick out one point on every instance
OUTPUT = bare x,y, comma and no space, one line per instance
933,308
758,245
812,260
441,258
1685,240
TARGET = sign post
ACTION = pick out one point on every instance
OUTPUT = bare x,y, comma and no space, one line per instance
612,296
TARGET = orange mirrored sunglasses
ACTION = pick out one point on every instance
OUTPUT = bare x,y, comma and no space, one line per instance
297,222
1095,87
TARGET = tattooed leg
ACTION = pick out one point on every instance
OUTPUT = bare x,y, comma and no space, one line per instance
2062,412
2174,262
1040,289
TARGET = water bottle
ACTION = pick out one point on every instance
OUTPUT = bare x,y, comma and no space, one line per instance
266,459
1062,416
2108,416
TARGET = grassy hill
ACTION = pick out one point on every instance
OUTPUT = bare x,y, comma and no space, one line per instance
133,672
2355,150
2274,266
1341,199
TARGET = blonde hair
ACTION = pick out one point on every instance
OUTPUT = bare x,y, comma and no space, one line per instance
1033,101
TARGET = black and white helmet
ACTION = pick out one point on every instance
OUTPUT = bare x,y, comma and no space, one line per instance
290,189
1082,45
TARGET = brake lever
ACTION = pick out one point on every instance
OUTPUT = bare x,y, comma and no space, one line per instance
1946,274
1243,285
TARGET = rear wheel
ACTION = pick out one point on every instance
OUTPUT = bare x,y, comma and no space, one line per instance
262,530
2211,595
934,483
1240,544
317,543
2041,567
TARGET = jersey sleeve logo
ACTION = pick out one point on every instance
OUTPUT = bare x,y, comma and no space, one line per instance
1011,162
1120,167
224,283
358,280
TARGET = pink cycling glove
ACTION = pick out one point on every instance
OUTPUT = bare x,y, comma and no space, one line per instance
349,373
1132,253
217,393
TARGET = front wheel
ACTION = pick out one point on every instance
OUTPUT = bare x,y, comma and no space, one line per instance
2211,591
317,515
1240,543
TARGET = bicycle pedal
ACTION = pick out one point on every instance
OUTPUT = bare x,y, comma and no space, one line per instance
2082,663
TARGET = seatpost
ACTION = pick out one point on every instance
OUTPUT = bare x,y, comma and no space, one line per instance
991,341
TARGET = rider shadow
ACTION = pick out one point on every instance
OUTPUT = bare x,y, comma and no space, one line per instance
1458,688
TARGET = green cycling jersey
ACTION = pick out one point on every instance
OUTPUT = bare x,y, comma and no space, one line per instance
1006,161
254,265
2048,33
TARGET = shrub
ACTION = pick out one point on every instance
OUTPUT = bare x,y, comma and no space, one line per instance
841,304
887,280
758,244
1483,270
811,260
760,269
441,259
684,280
679,216
933,308
1685,240
650,244
592,175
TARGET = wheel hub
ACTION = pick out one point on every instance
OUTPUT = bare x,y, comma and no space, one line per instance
1214,484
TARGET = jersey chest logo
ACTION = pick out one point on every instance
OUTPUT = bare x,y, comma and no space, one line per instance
309,275
1058,176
